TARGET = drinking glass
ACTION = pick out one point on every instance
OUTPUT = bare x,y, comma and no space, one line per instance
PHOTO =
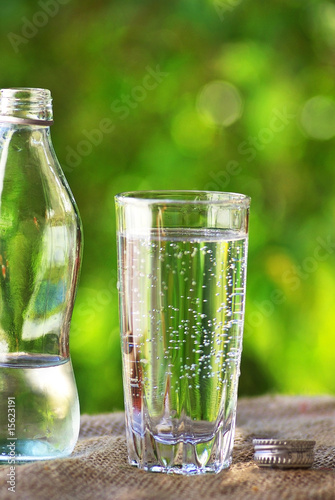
182,275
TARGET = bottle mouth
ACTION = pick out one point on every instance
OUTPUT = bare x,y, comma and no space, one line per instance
26,105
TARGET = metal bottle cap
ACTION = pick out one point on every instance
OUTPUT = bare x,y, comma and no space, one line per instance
284,453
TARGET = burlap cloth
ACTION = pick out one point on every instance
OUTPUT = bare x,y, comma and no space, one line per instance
98,468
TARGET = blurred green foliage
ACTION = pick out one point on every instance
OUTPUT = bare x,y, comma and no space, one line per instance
228,95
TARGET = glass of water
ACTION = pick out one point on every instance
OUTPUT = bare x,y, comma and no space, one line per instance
182,275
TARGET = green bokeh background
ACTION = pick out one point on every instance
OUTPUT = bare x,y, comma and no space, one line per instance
278,59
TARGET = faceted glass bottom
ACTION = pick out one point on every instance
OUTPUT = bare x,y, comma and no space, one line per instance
186,458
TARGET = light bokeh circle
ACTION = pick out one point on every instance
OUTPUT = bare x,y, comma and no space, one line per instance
220,103
317,118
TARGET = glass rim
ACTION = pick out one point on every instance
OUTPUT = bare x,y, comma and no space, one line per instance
183,197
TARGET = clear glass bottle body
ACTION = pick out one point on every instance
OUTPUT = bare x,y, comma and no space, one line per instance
40,256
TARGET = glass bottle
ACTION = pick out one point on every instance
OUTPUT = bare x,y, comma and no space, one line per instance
40,258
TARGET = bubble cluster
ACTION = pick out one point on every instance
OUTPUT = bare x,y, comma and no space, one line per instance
183,300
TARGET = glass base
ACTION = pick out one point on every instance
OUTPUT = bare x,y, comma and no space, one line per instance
186,469
26,450
186,458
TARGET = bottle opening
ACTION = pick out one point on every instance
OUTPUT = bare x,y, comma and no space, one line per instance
26,105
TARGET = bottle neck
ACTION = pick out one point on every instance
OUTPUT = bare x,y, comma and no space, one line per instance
26,106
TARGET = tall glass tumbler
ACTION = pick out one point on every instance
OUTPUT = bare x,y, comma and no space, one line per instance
182,275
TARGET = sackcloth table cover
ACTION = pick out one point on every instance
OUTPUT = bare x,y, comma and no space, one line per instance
98,468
